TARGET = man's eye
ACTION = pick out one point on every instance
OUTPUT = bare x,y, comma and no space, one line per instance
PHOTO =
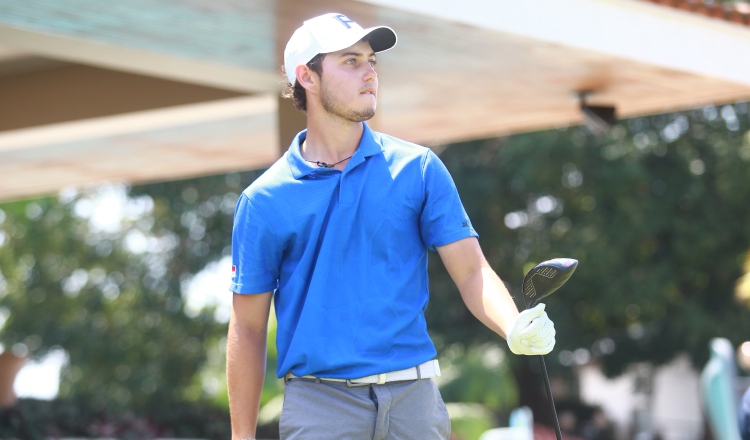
350,61
373,63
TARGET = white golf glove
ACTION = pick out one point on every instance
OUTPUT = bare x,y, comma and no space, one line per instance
532,333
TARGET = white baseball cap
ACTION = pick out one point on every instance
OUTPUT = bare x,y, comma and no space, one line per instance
329,33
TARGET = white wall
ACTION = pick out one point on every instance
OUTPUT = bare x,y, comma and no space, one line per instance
615,395
675,404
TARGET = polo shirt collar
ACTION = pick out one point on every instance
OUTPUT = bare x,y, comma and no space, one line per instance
369,145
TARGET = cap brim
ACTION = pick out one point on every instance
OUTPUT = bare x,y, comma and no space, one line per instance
381,38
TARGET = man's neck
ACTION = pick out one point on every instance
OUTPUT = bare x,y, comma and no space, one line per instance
331,140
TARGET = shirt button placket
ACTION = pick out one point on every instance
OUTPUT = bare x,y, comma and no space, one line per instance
345,196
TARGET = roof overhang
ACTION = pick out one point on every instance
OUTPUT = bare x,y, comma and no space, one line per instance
187,90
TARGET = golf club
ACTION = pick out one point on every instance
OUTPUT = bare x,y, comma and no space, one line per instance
540,282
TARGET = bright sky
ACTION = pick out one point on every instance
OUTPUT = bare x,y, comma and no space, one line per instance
41,380
210,287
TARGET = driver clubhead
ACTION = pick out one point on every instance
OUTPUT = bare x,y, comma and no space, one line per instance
545,278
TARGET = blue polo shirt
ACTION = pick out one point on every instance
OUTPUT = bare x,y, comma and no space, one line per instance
346,253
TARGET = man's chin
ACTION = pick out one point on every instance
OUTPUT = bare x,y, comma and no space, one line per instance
369,116
364,115
352,115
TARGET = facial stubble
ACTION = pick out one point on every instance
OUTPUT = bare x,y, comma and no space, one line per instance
336,107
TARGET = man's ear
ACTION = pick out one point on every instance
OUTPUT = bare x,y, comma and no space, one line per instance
307,78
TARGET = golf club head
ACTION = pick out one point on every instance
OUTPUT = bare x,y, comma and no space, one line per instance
545,278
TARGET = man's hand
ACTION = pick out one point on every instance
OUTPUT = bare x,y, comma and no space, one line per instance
532,332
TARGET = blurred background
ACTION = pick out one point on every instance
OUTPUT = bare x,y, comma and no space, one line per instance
616,132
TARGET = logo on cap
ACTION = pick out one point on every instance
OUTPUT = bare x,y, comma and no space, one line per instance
343,19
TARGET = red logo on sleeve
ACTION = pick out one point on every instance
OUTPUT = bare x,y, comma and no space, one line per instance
234,270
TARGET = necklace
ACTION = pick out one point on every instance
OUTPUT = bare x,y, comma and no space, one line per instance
328,165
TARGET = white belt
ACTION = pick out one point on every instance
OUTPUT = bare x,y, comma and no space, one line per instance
426,370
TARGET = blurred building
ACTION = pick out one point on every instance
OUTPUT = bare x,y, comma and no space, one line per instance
648,401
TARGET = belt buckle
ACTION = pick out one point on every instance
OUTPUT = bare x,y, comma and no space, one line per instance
381,380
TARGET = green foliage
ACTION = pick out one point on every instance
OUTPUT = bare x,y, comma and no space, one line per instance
470,422
480,374
655,211
37,419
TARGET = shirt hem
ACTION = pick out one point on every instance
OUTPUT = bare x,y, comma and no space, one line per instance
251,290
453,237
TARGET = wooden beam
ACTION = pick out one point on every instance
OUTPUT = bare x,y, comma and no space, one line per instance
75,92
198,139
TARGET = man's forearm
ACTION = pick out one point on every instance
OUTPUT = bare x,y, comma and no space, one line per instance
488,300
481,289
246,368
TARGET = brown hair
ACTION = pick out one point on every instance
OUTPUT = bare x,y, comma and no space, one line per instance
296,92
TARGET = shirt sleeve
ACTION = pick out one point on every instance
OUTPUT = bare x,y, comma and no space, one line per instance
444,219
256,255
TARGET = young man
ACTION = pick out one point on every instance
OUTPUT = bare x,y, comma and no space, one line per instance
337,232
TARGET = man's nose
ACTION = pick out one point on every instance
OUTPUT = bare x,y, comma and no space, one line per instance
370,73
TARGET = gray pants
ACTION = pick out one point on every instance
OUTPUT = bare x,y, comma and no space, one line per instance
409,410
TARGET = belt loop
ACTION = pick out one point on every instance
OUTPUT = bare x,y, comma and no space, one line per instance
436,366
381,379
317,380
419,372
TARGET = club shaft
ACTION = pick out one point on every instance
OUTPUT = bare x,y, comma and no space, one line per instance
549,397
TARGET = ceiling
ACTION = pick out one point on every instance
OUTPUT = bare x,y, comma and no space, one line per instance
144,91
